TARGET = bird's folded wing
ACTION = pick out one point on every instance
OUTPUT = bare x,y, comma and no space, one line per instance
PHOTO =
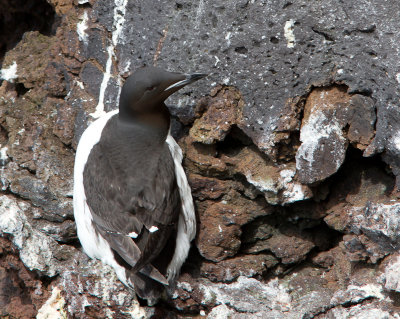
124,212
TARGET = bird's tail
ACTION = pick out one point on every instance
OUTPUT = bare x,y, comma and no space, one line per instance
147,288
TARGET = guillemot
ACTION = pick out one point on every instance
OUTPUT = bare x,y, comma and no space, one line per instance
132,202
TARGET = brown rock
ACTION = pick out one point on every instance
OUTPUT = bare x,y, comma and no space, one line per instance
286,137
207,187
324,259
225,110
362,248
229,269
64,121
359,207
286,242
220,222
337,264
361,119
200,159
290,248
219,233
338,217
277,183
332,119
22,294
56,79
61,6
362,183
32,58
323,147
190,296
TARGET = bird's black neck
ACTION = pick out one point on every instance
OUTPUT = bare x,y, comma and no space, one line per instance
154,122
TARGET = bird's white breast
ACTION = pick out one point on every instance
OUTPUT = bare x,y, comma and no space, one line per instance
94,245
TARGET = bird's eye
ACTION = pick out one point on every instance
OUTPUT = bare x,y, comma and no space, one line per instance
150,88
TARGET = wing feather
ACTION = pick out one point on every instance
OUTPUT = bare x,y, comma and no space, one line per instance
130,189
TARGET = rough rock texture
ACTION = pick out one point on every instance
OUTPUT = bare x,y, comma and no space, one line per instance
292,150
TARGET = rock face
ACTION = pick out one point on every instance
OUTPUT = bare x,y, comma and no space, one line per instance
292,150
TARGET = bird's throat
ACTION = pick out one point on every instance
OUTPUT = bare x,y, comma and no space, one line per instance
155,120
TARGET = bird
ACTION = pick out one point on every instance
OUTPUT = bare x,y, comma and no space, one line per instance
133,206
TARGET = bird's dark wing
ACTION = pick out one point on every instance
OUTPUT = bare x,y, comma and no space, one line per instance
133,198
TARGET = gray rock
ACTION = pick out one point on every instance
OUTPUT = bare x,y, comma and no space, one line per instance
91,77
37,251
391,275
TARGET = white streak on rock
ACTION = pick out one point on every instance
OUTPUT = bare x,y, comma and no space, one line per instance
396,140
199,13
312,132
35,248
106,77
262,184
81,28
362,312
392,275
356,294
127,67
53,308
3,162
80,84
3,153
119,20
220,312
292,191
228,38
386,220
272,294
289,33
9,74
184,285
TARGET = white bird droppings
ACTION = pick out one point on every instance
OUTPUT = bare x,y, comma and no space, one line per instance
3,153
289,33
53,307
119,21
81,28
396,140
10,73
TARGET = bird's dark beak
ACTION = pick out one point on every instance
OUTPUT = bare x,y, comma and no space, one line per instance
180,83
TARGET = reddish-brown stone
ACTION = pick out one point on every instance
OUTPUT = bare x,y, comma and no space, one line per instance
219,232
246,265
64,120
201,159
22,293
224,111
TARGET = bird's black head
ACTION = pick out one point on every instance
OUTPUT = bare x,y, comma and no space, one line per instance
144,92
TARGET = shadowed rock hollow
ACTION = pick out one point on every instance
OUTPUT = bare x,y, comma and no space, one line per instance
291,146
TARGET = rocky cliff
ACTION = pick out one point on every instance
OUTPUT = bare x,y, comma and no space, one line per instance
292,149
